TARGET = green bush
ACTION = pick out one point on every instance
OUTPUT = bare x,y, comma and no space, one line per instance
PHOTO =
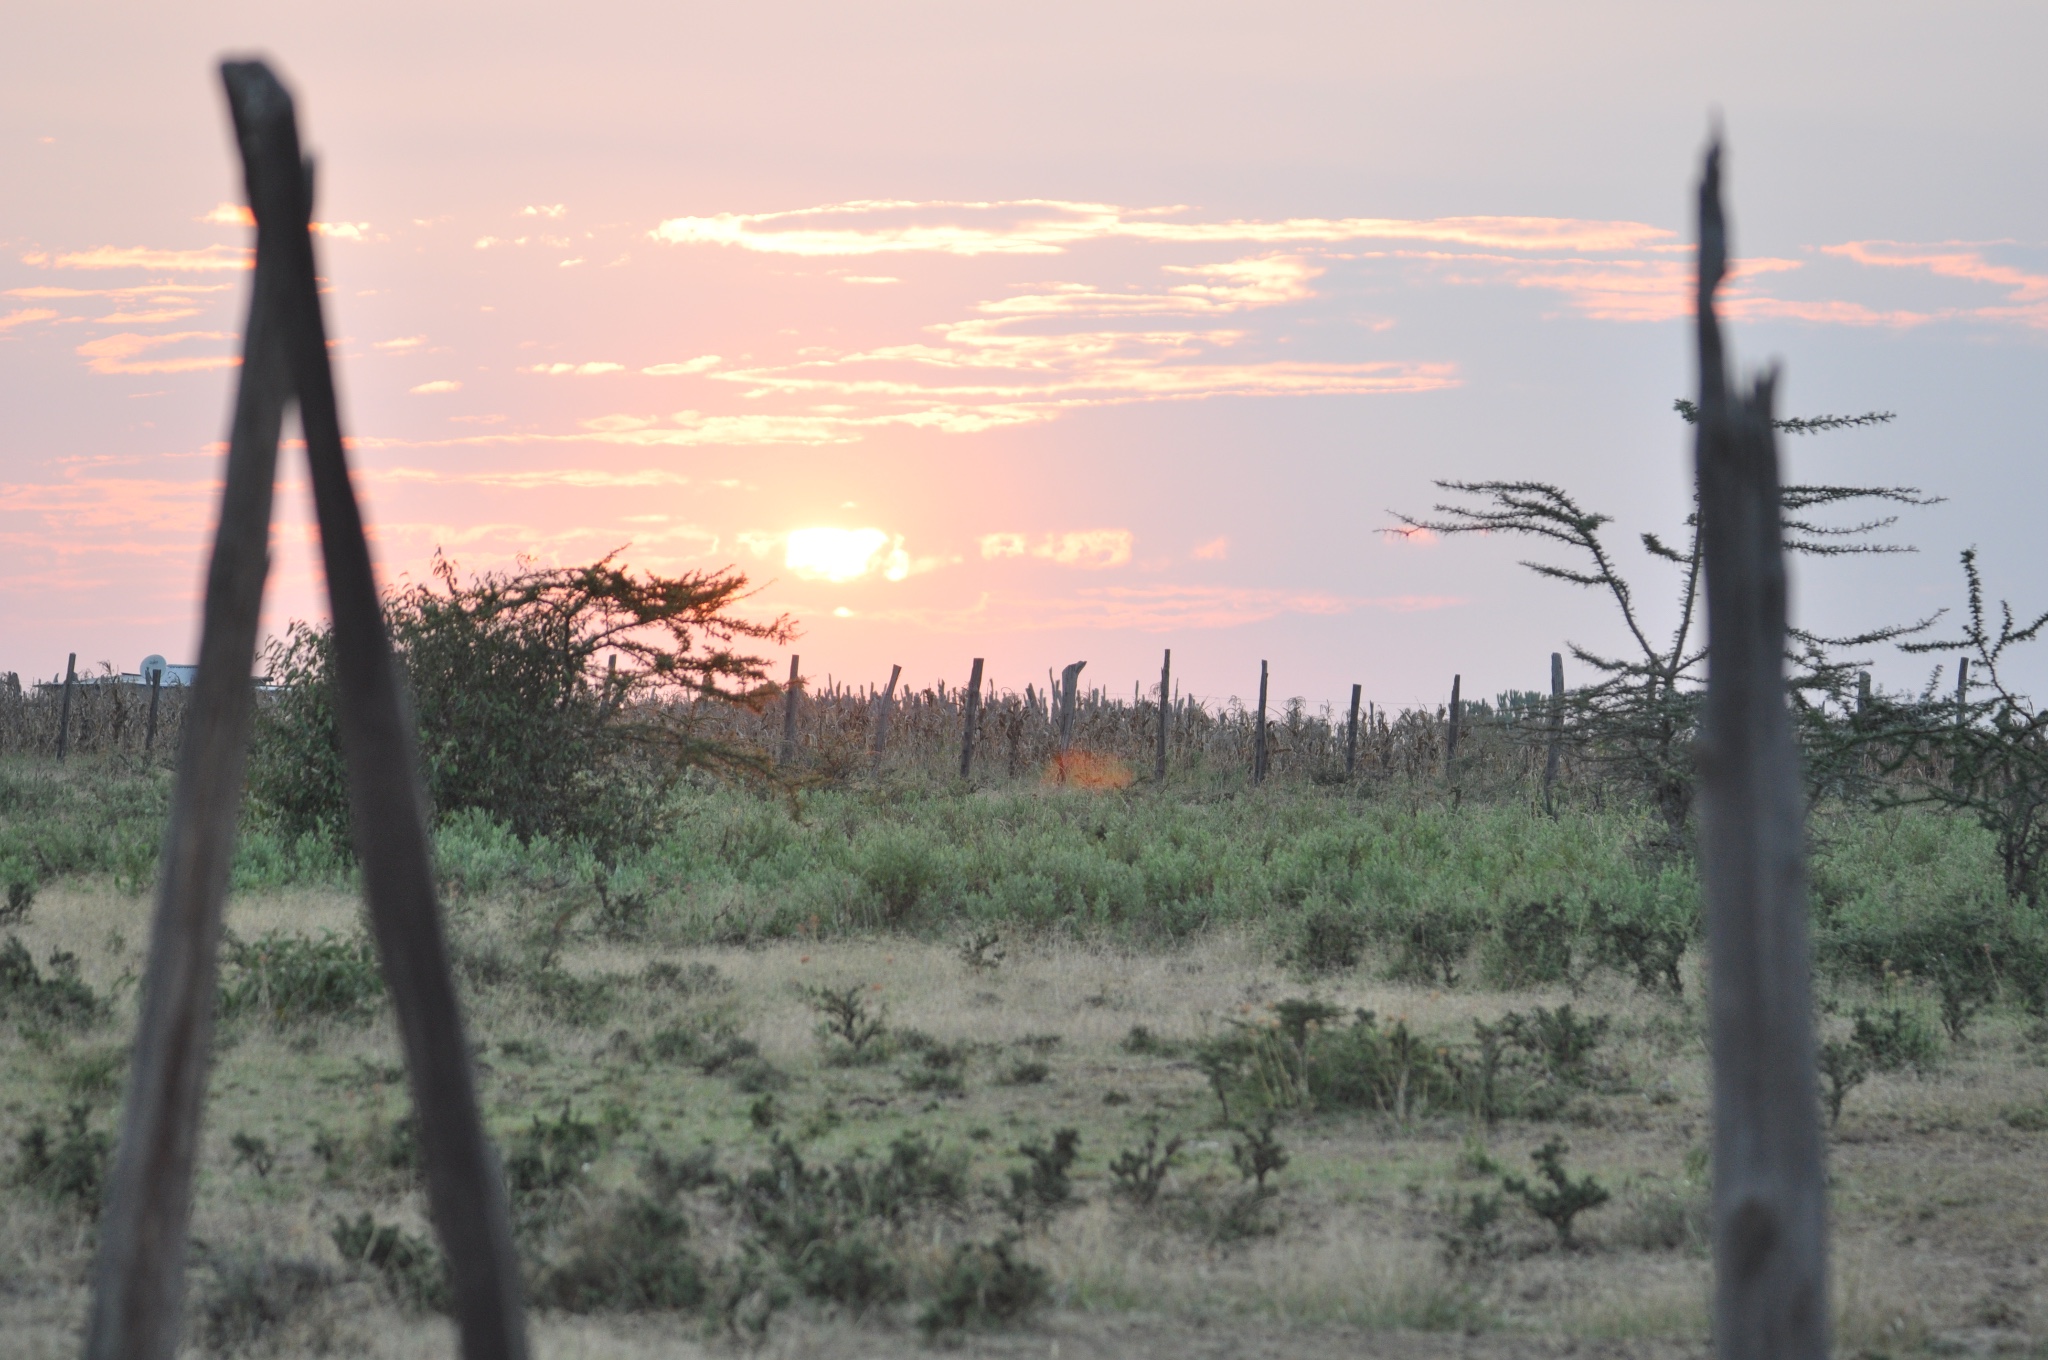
69,1166
60,998
984,1285
290,979
628,1254
410,1266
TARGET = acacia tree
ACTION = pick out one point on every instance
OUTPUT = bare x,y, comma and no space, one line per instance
1640,715
558,700
1990,741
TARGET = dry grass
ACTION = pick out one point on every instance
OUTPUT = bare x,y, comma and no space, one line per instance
1937,1200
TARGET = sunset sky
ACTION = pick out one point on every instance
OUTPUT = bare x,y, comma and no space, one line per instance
1037,333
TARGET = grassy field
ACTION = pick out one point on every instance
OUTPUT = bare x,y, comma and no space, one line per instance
797,1077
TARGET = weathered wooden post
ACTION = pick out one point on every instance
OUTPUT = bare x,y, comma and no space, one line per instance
1550,758
1165,715
1451,734
884,703
973,707
156,689
139,1275
1769,1188
1351,734
64,707
787,754
1070,679
1259,732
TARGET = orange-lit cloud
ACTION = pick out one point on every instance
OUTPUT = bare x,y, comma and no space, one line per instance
1048,226
584,370
1090,548
117,353
2026,294
1215,550
435,388
703,363
209,259
23,316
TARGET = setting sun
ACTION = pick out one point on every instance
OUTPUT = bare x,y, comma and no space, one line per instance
839,555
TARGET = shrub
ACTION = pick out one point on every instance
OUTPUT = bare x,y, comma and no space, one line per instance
1843,1066
1029,1072
1140,1172
630,1254
1142,1042
1563,1199
1327,939
1562,1041
1471,1237
253,1294
70,1166
410,1266
1257,1154
984,1285
844,1015
550,1154
1044,1185
1894,1038
289,979
60,998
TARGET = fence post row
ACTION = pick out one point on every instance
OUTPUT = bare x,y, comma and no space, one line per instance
973,707
1165,714
64,710
1550,757
139,1275
1769,1191
1259,732
883,704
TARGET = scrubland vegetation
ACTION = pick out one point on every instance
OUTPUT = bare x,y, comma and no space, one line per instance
855,1056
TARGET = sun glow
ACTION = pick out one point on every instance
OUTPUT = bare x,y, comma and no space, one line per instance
840,555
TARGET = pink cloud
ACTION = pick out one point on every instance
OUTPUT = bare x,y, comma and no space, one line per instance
142,257
24,316
116,353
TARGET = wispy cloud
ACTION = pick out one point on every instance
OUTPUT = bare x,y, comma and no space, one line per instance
1088,548
118,353
25,316
583,370
206,260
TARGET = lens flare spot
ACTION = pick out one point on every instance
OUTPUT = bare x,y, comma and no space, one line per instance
841,555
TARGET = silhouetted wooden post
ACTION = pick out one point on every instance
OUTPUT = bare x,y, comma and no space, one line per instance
1451,736
1165,714
1070,679
156,688
1351,734
64,708
787,754
139,1276
1550,758
973,714
1962,690
1259,732
884,704
1770,1192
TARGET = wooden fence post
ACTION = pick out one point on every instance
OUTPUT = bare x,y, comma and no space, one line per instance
973,707
64,708
1259,732
1351,734
1165,715
787,754
1550,758
1769,1187
1451,736
156,689
884,704
1070,679
139,1275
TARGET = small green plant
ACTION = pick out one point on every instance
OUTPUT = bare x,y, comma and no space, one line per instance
982,951
550,1154
410,1266
1142,1042
629,1253
1844,1065
845,1016
1029,1072
941,1069
765,1113
289,979
1257,1153
687,980
1140,1172
253,1152
1044,1185
1563,1199
1471,1237
69,1166
984,1285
